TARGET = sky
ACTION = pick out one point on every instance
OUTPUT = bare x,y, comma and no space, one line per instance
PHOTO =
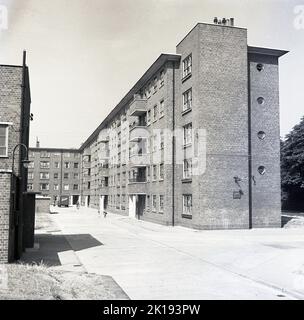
84,56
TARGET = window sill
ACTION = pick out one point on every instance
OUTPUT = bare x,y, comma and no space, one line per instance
186,216
189,75
186,111
186,180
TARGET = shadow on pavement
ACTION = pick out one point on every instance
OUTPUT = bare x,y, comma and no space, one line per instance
50,245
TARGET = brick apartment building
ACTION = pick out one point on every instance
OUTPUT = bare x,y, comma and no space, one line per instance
195,142
15,103
55,173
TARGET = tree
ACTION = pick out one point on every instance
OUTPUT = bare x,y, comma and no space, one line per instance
292,167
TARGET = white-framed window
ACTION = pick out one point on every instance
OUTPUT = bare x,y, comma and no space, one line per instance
76,175
44,175
56,187
154,202
75,187
56,165
187,169
161,203
56,175
161,171
65,175
187,66
187,204
162,139
30,187
44,164
154,172
44,187
187,134
31,165
30,175
155,112
3,140
66,187
155,142
161,108
148,173
148,202
187,100
76,165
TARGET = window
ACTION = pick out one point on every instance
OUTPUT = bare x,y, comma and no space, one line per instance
161,171
30,186
30,175
44,187
148,202
155,85
155,113
56,175
66,187
187,170
148,173
65,176
31,165
260,100
154,172
161,203
260,67
187,100
44,154
75,187
154,203
187,66
56,187
187,204
161,108
76,175
76,165
3,140
67,165
149,116
44,175
154,142
57,165
162,140
162,78
188,134
44,164
261,135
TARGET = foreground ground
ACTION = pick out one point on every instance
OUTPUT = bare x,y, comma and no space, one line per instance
150,261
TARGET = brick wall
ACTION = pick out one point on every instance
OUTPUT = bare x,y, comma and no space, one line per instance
5,179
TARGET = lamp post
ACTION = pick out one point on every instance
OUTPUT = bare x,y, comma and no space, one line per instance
25,162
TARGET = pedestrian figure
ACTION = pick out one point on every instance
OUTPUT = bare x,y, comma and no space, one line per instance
105,214
78,205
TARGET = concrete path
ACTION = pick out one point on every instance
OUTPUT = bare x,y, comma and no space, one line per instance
151,261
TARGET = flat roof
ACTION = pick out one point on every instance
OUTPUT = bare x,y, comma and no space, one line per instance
267,51
74,150
158,63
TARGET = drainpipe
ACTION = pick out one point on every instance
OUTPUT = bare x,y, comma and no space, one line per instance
173,145
249,150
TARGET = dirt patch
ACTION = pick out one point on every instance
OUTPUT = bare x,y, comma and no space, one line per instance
38,282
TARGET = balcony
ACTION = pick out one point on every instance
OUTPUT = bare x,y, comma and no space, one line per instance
137,187
138,106
138,131
139,160
104,172
104,154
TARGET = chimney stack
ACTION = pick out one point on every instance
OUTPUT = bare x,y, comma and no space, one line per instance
231,20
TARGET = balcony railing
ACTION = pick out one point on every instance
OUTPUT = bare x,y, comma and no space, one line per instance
139,160
138,180
138,106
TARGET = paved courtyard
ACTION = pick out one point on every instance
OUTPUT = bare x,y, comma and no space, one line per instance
151,261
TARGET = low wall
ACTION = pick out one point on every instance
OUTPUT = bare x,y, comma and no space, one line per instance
43,204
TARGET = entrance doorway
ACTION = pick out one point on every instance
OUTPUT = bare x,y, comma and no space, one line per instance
75,199
137,205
